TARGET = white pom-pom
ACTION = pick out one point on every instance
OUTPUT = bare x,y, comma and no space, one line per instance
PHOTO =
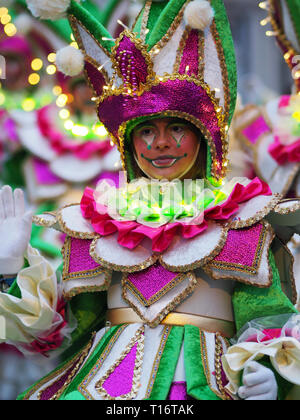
199,14
23,23
70,61
48,9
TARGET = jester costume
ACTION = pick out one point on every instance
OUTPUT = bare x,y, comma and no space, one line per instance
164,308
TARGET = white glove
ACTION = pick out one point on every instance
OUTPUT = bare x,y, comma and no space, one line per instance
259,383
15,230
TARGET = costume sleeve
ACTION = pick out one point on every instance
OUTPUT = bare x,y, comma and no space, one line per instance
250,302
267,332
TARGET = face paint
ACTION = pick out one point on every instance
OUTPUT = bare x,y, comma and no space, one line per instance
178,141
148,136
178,134
165,148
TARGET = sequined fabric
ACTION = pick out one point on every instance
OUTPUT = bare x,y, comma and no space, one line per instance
120,380
151,281
182,97
95,77
129,55
245,253
80,258
190,57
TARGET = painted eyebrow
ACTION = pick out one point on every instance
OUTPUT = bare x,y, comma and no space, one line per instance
143,126
179,124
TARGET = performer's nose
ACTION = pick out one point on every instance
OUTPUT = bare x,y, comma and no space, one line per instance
162,143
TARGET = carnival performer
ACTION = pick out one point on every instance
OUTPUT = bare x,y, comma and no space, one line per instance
189,271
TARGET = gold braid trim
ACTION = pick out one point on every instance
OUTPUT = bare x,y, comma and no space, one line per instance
288,210
139,340
224,71
146,13
218,366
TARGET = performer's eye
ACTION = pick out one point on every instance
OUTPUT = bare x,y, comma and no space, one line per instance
178,129
147,132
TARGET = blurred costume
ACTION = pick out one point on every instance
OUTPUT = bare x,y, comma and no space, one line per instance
178,279
54,146
270,136
271,133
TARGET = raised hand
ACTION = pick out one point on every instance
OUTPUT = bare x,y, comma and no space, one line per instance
15,230
259,383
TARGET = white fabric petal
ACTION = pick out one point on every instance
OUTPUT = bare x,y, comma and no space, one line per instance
107,252
254,211
73,223
72,169
94,284
187,254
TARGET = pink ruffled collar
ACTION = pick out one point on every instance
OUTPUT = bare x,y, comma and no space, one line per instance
283,154
132,233
62,144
